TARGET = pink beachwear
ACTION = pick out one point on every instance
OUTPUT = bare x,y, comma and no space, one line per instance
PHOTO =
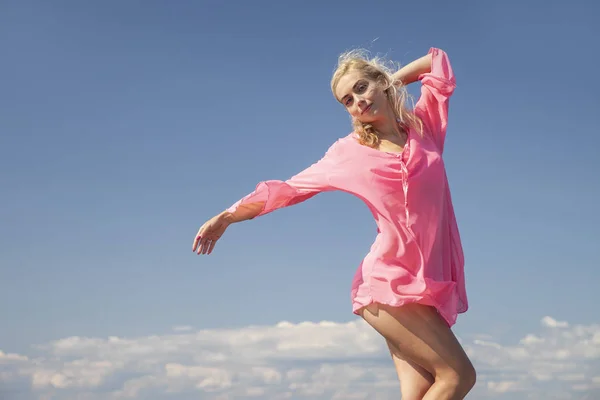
417,255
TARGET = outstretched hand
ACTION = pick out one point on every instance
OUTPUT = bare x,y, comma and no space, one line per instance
209,233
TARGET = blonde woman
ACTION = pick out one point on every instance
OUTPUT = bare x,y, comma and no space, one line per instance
410,287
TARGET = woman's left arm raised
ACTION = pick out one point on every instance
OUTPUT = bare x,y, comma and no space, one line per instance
411,71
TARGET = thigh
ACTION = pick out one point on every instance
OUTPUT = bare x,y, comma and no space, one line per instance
421,336
415,380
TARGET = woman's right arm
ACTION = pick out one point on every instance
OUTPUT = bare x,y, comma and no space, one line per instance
269,196
272,195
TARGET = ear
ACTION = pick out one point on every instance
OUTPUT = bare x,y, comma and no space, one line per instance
383,83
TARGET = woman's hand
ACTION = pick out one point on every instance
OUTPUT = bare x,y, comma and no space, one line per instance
209,233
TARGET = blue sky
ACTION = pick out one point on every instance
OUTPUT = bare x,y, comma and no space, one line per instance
125,125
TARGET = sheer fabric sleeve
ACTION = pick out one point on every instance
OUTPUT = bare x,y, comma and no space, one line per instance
276,194
436,89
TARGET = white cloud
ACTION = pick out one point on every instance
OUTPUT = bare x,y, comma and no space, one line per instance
5,358
552,323
560,361
309,360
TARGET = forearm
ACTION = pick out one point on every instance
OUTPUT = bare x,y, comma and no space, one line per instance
243,212
410,72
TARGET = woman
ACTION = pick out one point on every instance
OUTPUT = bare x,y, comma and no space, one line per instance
410,287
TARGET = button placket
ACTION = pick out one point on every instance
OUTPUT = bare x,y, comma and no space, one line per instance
404,172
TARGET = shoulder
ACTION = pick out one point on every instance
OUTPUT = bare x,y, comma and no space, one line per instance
339,150
341,143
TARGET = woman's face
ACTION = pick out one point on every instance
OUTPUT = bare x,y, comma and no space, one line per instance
363,98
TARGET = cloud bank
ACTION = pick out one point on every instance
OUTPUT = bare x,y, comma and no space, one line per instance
324,360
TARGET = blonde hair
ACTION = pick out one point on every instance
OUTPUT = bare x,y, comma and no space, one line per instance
376,69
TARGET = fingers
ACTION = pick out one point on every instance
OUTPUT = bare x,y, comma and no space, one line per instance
204,244
211,246
207,236
197,239
201,240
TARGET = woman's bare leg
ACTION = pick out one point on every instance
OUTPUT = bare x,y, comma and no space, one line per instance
415,380
422,336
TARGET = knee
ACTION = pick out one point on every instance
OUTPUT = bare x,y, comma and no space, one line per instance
468,377
460,380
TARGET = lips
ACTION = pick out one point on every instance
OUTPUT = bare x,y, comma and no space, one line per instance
367,109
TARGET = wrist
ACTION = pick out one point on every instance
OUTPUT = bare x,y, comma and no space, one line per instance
227,217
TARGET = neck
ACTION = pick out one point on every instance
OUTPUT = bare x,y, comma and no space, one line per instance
388,126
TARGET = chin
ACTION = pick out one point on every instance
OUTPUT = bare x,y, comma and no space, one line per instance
366,119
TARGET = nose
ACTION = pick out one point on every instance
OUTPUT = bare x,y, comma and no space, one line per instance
362,104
